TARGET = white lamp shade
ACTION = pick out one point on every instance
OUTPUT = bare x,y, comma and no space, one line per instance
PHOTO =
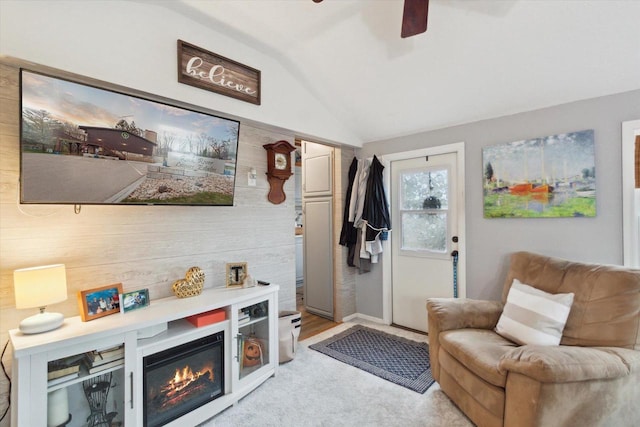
40,286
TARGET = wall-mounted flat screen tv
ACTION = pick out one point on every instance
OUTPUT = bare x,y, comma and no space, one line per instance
82,144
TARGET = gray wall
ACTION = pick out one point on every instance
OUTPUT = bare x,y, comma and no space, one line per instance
490,241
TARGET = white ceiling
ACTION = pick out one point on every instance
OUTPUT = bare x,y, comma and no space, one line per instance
478,59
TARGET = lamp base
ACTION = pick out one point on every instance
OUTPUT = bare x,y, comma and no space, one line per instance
41,322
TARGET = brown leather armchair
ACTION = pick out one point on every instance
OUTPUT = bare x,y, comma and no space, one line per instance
592,378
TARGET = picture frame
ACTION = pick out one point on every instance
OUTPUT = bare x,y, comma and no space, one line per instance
207,70
236,274
99,302
134,300
546,177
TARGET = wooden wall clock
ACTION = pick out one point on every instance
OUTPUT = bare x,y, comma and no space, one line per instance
278,169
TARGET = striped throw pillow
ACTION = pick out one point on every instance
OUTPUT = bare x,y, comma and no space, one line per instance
532,316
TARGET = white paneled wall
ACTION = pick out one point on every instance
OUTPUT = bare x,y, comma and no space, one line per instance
140,246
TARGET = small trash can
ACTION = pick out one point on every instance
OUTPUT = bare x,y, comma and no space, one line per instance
289,323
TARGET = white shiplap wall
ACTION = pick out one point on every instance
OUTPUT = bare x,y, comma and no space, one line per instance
140,246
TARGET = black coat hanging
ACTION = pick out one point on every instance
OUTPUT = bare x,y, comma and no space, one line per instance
348,232
376,210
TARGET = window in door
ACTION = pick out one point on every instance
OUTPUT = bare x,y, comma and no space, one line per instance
424,211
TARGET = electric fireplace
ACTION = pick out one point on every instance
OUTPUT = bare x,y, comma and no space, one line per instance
183,378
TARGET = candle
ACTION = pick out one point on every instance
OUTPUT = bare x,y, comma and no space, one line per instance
57,407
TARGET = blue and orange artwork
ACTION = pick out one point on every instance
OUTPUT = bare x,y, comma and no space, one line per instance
548,177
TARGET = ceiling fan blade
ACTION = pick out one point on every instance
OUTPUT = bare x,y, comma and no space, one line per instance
414,17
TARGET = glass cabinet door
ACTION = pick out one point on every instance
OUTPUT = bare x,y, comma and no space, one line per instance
87,388
253,337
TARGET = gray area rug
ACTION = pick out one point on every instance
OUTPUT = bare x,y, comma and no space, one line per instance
314,390
394,358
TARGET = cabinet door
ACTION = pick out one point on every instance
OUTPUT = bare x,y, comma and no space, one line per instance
318,256
317,170
255,348
81,384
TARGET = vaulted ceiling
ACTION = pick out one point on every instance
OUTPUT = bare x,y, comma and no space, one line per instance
478,59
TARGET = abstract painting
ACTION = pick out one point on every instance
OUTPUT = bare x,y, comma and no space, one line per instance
548,177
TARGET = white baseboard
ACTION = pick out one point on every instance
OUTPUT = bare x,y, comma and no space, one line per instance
363,317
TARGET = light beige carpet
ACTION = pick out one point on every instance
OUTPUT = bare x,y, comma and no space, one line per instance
317,390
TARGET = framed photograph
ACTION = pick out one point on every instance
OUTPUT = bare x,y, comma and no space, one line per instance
236,273
134,300
99,302
547,177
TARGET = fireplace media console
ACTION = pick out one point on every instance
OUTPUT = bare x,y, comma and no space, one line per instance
149,367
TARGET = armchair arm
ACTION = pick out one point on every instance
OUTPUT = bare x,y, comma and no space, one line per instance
560,364
451,313
459,313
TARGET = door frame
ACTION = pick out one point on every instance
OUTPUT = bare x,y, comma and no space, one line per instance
630,205
459,149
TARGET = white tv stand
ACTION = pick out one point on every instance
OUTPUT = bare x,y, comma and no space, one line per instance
32,353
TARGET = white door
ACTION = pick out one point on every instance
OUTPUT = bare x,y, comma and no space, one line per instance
424,198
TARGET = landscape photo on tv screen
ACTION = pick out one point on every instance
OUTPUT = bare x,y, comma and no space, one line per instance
85,145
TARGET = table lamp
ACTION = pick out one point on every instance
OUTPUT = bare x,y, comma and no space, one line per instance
38,287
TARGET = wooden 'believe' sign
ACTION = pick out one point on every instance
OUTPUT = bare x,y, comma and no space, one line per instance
207,70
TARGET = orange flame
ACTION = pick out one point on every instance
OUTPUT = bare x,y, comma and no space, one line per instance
185,376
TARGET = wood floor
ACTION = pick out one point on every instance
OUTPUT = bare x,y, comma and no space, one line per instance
311,323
